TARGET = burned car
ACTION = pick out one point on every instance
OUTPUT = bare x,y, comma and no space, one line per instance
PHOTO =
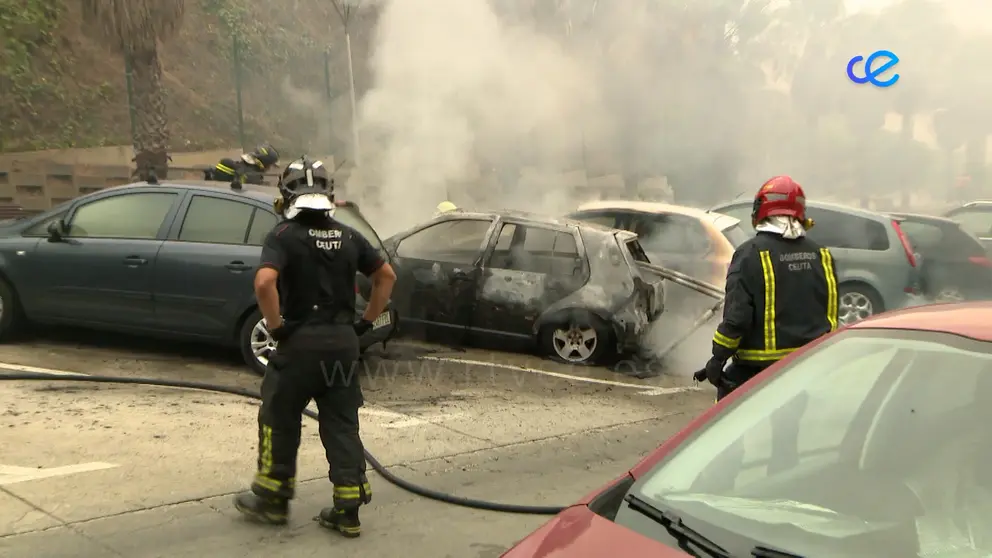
514,279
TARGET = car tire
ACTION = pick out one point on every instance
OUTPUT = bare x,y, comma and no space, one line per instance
11,316
583,340
250,338
855,302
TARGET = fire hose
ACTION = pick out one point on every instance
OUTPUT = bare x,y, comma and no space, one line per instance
674,276
694,284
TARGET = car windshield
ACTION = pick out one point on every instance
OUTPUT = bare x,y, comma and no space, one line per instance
874,443
351,217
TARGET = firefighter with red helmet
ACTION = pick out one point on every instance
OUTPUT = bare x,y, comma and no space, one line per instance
781,290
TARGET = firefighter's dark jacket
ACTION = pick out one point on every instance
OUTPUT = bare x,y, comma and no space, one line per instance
227,169
781,294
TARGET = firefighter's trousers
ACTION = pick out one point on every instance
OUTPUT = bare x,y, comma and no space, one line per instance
292,379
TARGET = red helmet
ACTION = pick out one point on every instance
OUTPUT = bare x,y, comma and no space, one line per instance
781,195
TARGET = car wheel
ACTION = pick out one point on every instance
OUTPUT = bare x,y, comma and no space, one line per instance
11,318
582,341
255,343
856,302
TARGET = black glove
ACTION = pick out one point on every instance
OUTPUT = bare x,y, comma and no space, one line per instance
713,372
362,327
280,333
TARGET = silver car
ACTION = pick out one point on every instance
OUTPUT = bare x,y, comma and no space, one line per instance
875,261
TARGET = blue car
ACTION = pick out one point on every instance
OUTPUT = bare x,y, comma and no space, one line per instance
172,260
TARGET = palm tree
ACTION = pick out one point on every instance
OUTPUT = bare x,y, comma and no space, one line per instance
133,28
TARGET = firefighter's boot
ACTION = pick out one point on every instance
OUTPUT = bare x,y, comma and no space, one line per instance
343,521
271,510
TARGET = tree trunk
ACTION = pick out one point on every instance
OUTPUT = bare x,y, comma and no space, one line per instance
151,138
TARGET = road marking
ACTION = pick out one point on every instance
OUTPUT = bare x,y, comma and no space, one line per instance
397,420
36,370
13,475
423,421
643,389
400,420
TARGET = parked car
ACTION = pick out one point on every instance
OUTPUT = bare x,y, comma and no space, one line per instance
175,260
953,264
515,279
875,262
975,218
685,239
871,441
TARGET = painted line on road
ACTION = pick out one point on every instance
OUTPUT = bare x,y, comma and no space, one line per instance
424,420
398,420
37,370
13,475
643,389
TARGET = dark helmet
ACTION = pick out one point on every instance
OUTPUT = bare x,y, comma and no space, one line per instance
305,184
266,154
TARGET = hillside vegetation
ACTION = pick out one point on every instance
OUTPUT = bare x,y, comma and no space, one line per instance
60,88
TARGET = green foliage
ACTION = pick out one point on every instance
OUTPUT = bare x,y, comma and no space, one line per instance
25,27
264,44
32,85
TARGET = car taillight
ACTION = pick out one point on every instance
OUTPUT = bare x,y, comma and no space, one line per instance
980,260
905,243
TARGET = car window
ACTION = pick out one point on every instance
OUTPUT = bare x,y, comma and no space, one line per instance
670,234
858,431
736,235
216,220
131,216
261,225
742,213
457,241
536,250
840,230
975,221
923,236
351,217
41,227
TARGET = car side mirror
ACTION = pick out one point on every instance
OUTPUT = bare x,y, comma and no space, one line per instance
56,230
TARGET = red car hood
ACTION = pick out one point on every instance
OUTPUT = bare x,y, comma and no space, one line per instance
579,533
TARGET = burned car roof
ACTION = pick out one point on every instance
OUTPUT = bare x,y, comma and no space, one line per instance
525,217
522,217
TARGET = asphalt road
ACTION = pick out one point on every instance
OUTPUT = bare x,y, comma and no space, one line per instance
93,470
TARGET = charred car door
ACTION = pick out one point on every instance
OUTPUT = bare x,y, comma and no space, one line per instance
528,269
438,271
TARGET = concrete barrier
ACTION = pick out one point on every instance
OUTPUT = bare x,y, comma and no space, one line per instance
36,185
40,185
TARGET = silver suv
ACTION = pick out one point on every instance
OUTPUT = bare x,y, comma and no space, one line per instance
875,262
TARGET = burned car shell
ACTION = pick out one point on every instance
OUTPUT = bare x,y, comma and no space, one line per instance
511,303
616,292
